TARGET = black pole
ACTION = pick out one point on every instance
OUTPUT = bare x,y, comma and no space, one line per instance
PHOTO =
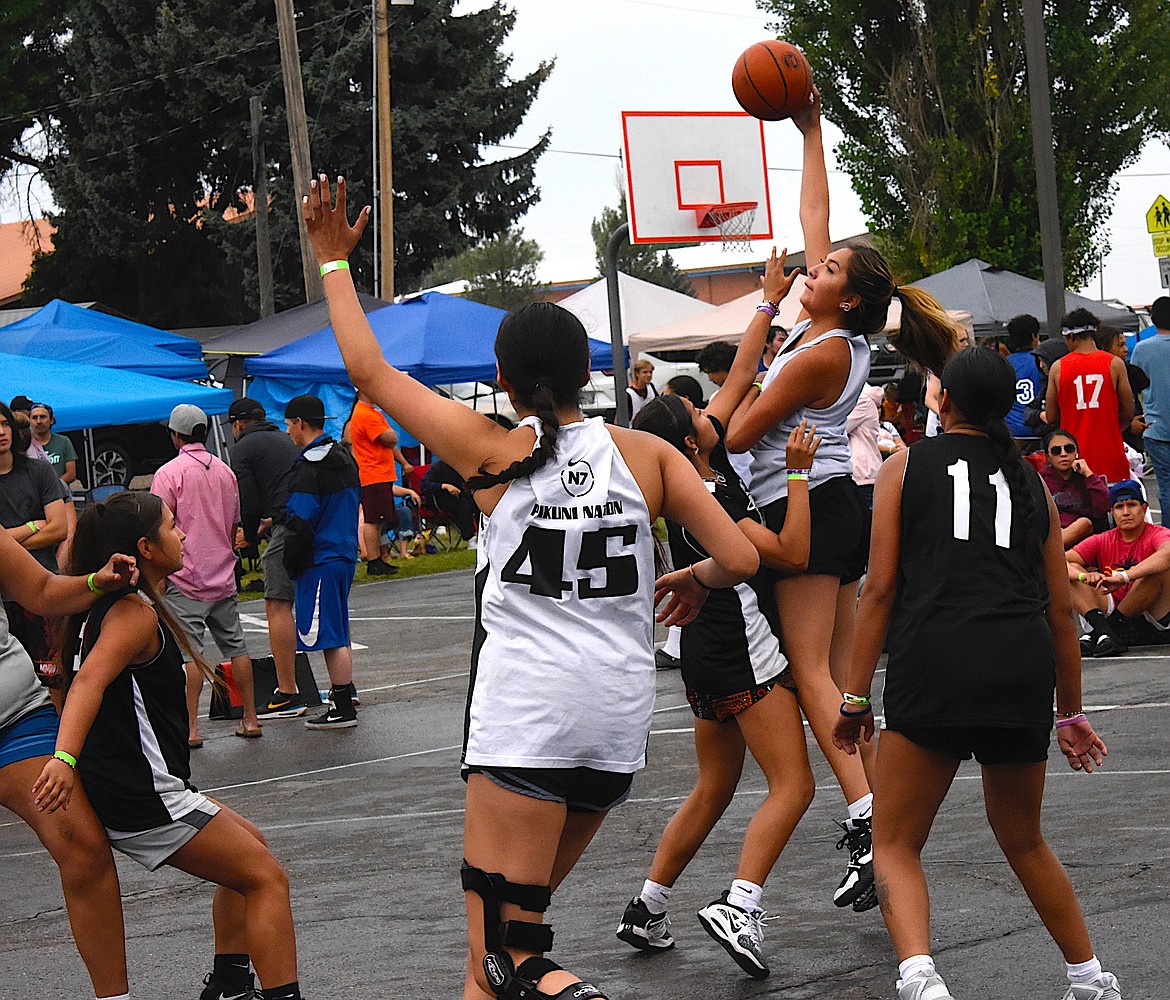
617,239
1036,43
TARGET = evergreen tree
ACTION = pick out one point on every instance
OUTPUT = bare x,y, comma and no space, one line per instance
155,147
502,271
932,98
643,260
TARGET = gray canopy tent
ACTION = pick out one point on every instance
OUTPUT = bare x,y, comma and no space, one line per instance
993,296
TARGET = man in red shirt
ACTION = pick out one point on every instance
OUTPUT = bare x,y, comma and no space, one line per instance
1089,395
1121,574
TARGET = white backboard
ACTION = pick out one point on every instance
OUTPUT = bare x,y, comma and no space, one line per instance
678,161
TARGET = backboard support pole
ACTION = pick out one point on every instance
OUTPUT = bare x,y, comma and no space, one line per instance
619,238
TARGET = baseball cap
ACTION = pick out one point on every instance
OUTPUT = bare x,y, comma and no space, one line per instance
307,408
185,418
245,408
1127,489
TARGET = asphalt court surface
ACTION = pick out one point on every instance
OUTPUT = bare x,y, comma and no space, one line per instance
368,822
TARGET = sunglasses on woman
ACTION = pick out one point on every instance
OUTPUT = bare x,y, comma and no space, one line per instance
1063,449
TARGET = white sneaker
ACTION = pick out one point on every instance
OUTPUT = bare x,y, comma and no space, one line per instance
922,986
741,933
1103,988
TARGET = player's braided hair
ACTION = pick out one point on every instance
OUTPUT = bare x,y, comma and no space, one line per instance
543,354
982,385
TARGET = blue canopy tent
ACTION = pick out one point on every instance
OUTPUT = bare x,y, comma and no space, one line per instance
62,332
63,316
438,339
84,396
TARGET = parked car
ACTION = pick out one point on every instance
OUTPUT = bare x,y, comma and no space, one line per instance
121,453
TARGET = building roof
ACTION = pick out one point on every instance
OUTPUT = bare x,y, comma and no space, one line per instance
19,241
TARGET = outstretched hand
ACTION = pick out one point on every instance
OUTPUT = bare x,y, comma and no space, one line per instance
330,233
776,283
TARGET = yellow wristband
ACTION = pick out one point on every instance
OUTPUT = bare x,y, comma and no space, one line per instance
31,525
334,265
1081,577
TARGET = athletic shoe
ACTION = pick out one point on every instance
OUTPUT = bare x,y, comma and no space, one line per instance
859,873
283,706
353,693
741,934
1104,988
644,930
867,900
923,987
214,989
1104,644
332,719
1088,641
379,567
664,661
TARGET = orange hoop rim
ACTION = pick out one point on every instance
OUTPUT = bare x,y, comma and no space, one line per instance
710,216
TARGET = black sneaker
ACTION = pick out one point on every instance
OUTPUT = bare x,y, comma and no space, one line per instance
664,661
283,706
644,930
379,567
859,874
214,989
1106,645
867,900
333,719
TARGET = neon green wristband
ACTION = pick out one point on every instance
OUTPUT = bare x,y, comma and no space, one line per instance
32,526
93,586
334,265
67,757
854,699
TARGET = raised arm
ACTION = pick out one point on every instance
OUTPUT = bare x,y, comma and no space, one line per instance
33,587
462,436
814,185
745,368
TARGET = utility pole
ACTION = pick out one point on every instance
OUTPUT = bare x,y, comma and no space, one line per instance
260,210
1036,45
298,138
385,143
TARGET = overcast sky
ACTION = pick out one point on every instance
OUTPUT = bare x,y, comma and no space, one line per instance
638,55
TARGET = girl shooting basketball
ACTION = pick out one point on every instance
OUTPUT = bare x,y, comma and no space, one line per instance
817,377
562,665
982,577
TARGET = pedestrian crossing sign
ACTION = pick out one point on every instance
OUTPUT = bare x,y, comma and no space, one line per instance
1158,217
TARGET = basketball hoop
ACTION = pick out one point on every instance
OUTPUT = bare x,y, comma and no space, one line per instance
733,220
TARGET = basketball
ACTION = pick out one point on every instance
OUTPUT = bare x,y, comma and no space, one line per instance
772,80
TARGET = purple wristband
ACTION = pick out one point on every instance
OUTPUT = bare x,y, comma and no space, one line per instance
1071,721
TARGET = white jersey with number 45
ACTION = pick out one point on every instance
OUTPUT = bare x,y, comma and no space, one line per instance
562,670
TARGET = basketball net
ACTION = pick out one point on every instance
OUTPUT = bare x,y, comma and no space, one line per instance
734,222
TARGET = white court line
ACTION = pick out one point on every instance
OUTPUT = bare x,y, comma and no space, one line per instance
417,618
424,680
262,628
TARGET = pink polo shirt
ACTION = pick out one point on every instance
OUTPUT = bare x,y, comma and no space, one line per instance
203,493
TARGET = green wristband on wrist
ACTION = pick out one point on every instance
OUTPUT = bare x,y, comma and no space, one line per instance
67,757
32,526
334,265
93,586
854,699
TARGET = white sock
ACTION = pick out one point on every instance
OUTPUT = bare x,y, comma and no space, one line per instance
1083,973
862,808
916,965
656,896
746,895
120,996
673,644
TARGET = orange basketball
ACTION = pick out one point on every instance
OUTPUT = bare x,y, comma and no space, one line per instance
772,80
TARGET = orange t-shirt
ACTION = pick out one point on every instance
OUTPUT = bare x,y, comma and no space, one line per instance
375,461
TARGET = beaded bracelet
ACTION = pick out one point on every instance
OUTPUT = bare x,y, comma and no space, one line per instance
1071,720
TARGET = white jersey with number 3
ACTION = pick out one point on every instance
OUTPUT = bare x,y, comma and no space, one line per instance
562,671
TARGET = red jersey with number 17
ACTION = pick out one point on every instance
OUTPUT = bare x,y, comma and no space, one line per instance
1089,409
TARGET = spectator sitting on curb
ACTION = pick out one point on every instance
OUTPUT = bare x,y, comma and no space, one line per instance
1122,576
1081,496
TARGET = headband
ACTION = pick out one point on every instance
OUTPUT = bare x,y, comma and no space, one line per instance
1069,331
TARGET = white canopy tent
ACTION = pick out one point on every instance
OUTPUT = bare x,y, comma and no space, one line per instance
644,305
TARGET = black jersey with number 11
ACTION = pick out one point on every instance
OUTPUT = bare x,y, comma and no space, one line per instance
969,642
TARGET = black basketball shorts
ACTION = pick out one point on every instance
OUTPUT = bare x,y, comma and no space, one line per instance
839,541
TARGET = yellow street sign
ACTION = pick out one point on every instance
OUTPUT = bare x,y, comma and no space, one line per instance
1158,217
1162,244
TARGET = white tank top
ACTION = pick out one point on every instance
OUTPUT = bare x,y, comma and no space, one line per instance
769,479
562,671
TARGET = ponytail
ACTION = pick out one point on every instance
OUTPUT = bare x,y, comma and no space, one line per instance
927,335
546,445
